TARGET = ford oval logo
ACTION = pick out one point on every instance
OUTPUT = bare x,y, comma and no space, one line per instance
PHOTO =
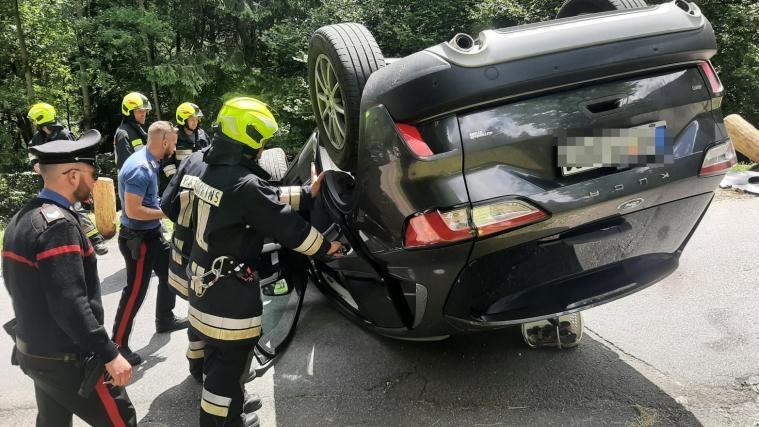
630,204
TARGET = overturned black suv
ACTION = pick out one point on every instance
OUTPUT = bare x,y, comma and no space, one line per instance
524,174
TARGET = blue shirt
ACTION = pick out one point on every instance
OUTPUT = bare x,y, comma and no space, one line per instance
139,175
54,196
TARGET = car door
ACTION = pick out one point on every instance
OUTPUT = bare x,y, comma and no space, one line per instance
281,266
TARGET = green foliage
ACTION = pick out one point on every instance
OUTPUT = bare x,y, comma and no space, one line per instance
737,30
208,50
17,189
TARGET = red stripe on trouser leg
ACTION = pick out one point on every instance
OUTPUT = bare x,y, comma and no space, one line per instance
128,311
109,404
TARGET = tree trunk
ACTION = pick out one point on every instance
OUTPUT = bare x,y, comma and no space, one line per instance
104,197
23,52
68,113
83,75
243,32
745,136
149,57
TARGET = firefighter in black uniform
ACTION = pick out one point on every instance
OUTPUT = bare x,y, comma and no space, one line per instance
234,208
190,138
42,116
51,274
130,136
176,204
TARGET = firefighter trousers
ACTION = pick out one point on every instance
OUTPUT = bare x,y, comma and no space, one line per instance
195,353
226,369
56,386
87,225
149,254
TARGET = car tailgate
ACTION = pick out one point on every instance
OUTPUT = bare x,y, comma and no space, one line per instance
511,149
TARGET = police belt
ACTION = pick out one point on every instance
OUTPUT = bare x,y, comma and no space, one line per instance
47,359
134,238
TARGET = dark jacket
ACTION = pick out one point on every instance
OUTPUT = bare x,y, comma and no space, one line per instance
50,271
129,137
40,137
175,203
234,209
186,145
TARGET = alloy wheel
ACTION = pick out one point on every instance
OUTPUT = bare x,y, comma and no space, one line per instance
330,101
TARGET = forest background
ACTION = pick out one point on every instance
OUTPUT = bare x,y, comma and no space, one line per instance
83,56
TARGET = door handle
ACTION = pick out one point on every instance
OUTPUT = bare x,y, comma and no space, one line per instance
605,105
598,234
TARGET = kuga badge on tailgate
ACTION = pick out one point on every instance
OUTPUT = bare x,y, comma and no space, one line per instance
586,149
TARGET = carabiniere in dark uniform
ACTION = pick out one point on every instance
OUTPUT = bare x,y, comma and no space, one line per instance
51,275
48,129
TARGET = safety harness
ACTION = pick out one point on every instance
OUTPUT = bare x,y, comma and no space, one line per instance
223,266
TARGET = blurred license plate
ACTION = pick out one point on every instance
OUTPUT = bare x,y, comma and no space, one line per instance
581,151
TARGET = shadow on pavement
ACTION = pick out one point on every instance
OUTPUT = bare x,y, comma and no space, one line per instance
157,341
177,406
335,373
113,283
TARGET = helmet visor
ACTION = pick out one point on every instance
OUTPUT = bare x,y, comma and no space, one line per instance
145,106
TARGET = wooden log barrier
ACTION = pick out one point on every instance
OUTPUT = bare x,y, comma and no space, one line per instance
745,136
105,207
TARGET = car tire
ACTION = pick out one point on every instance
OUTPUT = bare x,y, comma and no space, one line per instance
582,7
341,58
274,162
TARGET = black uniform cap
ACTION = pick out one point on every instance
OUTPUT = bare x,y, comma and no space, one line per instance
83,150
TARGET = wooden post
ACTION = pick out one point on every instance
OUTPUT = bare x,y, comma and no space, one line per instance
105,207
745,137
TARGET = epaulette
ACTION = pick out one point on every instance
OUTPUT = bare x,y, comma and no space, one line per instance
52,213
145,164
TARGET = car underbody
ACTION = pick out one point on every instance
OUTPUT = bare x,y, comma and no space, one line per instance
525,174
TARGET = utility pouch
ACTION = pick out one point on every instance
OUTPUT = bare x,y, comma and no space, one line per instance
94,368
10,329
133,240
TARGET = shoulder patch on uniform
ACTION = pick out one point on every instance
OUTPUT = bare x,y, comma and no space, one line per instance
189,181
52,213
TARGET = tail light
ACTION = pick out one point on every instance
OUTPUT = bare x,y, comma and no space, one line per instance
719,159
440,227
711,76
496,217
435,227
414,140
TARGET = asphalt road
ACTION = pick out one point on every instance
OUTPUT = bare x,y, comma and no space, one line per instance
683,352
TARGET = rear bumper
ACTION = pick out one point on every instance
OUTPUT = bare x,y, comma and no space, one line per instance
575,270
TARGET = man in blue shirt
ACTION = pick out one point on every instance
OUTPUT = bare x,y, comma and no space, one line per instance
140,239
